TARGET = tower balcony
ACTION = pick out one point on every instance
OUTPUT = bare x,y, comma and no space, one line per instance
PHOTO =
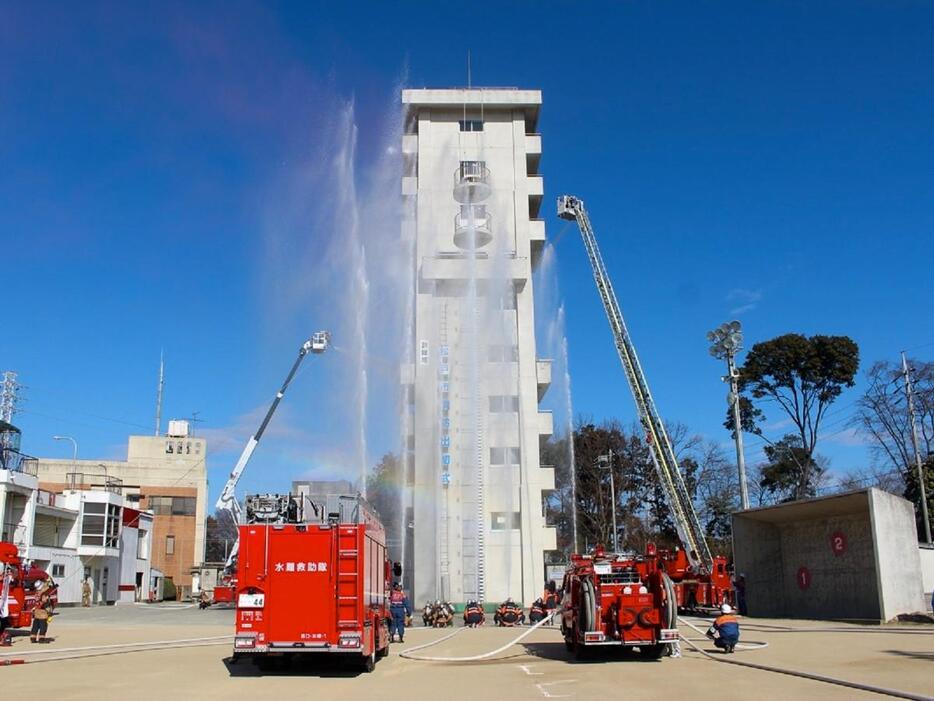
472,182
543,373
472,227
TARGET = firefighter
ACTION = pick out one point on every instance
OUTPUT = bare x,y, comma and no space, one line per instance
550,597
399,610
508,614
725,630
473,614
5,585
427,614
86,592
443,614
204,601
537,612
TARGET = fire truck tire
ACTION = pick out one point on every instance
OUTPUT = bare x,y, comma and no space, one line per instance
369,662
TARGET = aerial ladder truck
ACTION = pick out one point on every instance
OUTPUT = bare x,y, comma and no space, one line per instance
700,578
227,501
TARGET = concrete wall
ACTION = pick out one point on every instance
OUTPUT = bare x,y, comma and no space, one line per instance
926,553
897,558
850,556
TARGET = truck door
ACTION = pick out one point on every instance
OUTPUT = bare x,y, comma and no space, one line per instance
300,595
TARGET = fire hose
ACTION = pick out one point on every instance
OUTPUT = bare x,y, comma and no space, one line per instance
803,675
56,654
407,654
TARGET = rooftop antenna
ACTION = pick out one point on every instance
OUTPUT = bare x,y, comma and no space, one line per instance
159,392
194,421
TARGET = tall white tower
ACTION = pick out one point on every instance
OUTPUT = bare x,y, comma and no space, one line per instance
477,527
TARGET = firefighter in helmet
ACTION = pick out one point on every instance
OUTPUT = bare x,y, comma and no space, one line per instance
443,614
537,612
509,614
725,630
473,614
399,610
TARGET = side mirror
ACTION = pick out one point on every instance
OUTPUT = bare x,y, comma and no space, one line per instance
396,569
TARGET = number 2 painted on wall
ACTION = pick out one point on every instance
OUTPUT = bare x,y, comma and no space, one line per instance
838,543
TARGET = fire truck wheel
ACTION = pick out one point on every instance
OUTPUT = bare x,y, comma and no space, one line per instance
369,662
652,652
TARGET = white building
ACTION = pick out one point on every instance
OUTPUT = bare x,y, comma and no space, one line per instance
471,160
78,534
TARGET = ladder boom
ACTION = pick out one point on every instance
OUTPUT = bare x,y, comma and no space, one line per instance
227,501
663,456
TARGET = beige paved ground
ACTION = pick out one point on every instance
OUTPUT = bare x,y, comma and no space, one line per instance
901,657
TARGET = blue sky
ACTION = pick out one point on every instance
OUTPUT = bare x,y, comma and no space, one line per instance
770,162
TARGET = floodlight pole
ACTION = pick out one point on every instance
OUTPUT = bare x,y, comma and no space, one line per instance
738,425
727,339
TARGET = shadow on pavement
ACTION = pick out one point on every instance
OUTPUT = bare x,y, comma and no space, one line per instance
323,666
558,651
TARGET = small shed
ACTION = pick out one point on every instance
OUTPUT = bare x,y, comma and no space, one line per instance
846,556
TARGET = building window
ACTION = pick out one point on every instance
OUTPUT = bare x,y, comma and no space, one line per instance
142,545
505,520
170,545
508,404
100,524
169,447
470,124
503,354
172,506
58,570
505,456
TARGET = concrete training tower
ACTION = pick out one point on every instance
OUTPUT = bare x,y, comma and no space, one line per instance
471,160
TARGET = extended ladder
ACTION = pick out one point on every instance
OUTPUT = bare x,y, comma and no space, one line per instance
687,524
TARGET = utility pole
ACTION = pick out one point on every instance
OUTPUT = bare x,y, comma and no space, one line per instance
922,488
606,461
727,340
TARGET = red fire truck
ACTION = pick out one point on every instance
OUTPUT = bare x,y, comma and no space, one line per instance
697,589
22,593
312,578
612,600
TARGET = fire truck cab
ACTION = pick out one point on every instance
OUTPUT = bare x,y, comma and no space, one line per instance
312,578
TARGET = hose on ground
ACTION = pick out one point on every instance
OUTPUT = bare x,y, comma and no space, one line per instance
805,675
407,654
60,654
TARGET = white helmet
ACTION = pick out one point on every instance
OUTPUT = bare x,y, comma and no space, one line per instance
726,608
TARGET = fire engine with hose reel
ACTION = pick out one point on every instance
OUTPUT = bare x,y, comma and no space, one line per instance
610,600
227,501
700,578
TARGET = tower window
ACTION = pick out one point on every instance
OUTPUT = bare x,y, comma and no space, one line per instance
471,124
505,520
508,404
